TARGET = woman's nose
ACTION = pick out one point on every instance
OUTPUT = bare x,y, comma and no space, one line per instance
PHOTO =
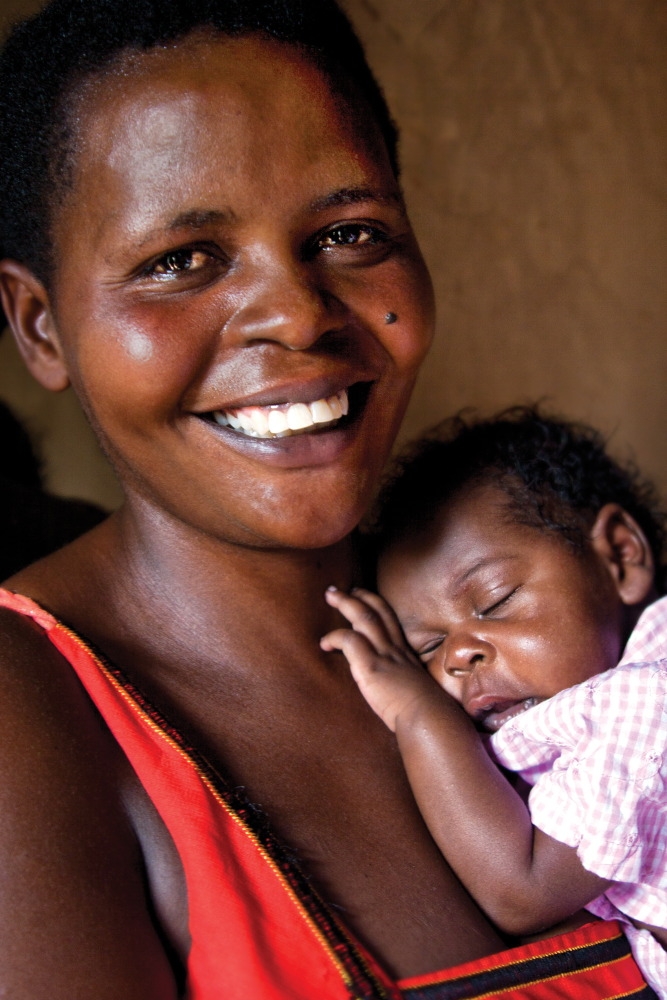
285,305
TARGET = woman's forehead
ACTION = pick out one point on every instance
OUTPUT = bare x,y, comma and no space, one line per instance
216,75
245,132
246,105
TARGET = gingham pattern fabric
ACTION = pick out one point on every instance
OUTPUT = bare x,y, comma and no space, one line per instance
596,755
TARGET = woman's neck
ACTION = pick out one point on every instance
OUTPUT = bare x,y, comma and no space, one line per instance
157,577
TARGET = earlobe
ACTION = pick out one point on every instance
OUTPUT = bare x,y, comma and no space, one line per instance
622,545
28,310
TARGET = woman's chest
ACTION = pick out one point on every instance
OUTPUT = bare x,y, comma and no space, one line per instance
314,769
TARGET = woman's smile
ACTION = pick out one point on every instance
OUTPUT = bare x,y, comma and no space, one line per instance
222,313
279,420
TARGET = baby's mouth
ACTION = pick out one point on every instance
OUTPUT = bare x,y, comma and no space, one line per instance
285,419
502,712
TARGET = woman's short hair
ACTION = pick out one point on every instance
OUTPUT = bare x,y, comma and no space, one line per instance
47,58
556,475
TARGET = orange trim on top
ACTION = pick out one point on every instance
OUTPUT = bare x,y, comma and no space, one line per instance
596,932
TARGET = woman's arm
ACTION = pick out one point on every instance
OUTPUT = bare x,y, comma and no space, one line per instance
522,878
75,919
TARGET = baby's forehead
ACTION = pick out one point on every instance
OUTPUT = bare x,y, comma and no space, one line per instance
478,507
469,537
491,505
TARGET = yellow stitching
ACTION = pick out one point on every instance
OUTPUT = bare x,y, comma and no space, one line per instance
562,976
520,961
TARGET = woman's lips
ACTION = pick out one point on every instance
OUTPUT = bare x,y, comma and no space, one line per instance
285,419
316,444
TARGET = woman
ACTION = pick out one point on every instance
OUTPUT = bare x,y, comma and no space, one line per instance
204,234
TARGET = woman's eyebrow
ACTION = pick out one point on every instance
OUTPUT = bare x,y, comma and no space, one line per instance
193,219
350,196
200,218
196,219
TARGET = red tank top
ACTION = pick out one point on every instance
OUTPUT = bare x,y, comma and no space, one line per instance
259,931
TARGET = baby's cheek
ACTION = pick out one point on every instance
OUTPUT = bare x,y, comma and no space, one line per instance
452,685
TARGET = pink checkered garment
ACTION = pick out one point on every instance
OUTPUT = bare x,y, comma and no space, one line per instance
596,756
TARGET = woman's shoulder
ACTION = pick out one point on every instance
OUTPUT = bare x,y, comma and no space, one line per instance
31,668
68,585
48,722
71,859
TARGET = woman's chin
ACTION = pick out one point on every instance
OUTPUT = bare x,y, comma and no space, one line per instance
312,528
307,519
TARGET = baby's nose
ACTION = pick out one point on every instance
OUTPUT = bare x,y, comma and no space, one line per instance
464,654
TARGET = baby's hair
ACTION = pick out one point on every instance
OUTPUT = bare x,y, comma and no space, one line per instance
555,473
47,59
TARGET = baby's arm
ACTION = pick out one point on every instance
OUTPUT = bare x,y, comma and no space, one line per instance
522,878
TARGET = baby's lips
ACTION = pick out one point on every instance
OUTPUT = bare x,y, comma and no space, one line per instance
499,711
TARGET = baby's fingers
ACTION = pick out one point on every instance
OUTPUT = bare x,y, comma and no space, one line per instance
356,648
365,619
385,612
388,683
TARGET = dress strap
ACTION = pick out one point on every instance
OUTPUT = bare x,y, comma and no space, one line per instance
26,606
593,961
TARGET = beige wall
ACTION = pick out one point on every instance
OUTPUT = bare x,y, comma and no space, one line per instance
12,10
535,152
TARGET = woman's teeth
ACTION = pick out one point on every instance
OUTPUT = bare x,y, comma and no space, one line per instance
285,419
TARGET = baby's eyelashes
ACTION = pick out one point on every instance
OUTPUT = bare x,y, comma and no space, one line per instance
425,649
498,603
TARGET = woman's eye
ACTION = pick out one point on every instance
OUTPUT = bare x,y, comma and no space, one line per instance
178,262
351,234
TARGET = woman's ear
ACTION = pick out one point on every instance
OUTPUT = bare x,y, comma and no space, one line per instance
28,310
623,547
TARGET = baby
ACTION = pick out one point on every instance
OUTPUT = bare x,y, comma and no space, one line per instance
522,564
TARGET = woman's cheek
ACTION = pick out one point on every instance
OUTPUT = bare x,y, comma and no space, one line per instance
139,347
411,333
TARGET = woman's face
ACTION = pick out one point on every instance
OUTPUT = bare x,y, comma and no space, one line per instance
232,243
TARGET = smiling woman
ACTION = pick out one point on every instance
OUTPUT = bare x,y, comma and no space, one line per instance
202,232
263,258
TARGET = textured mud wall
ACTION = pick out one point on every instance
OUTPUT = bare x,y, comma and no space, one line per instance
535,153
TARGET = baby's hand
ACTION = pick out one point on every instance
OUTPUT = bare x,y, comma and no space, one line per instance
390,675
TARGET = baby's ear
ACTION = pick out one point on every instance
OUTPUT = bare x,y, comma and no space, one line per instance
622,545
28,310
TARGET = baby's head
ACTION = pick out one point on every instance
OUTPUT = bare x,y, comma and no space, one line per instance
518,556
